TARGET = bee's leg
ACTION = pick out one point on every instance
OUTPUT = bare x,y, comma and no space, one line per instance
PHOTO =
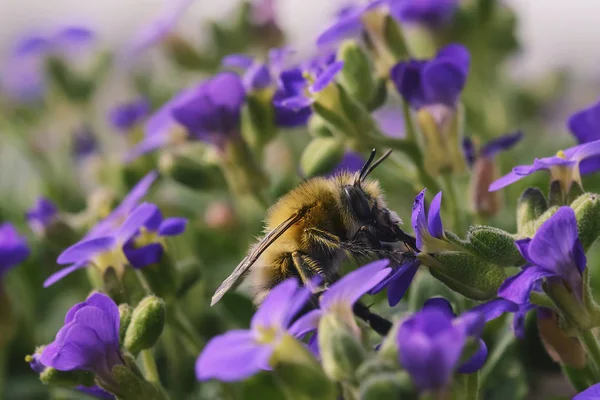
364,233
379,324
306,268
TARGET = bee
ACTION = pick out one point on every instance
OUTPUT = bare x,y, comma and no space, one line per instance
312,229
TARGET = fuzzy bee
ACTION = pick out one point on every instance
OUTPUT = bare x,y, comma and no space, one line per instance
315,227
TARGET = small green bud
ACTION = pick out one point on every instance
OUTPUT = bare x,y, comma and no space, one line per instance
355,112
356,76
587,212
387,385
466,274
375,366
321,156
557,196
54,377
147,323
531,205
125,312
394,38
379,95
194,173
495,245
258,119
341,351
132,386
543,218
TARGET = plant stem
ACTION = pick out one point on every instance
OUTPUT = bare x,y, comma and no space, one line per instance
590,343
409,127
184,326
453,204
495,357
143,282
472,386
150,370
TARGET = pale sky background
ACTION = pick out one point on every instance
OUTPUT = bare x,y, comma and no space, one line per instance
553,32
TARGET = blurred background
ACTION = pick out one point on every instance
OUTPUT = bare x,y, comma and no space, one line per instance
544,67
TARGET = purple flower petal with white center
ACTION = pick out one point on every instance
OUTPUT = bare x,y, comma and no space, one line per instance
573,159
585,124
355,284
476,361
233,356
172,226
89,340
592,393
41,214
239,354
431,13
55,277
13,248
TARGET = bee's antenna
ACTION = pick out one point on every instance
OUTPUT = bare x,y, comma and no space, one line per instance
370,168
365,168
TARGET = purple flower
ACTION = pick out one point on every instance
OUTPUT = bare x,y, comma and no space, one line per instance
103,251
41,215
555,254
89,339
592,393
124,117
147,246
585,124
256,75
491,148
34,362
348,23
303,85
351,162
431,342
155,31
566,166
435,83
398,281
13,248
22,78
84,143
428,227
432,13
209,112
342,295
238,354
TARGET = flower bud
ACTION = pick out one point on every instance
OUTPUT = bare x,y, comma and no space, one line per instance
356,76
54,377
387,385
484,202
442,132
132,386
258,119
341,351
560,347
125,312
376,366
184,54
321,156
531,205
543,218
195,173
147,323
466,274
495,246
587,212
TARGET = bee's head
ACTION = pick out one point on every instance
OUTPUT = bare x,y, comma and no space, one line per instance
368,206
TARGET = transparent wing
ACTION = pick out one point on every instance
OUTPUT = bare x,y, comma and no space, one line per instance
251,258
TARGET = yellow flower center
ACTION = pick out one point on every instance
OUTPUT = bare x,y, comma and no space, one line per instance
561,154
266,334
146,237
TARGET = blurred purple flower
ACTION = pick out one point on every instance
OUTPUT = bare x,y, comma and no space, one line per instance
125,116
341,297
13,248
348,23
585,124
41,215
34,362
567,166
592,393
155,31
390,121
95,391
147,246
89,339
351,162
432,341
84,142
491,148
22,78
555,253
209,112
238,354
431,13
103,251
436,83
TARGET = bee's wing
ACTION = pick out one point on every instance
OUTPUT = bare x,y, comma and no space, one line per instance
251,258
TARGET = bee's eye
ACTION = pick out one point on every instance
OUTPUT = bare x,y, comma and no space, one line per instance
358,201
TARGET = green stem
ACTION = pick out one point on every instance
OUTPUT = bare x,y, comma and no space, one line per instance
150,370
592,347
409,127
580,379
143,282
185,327
453,204
495,357
471,386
